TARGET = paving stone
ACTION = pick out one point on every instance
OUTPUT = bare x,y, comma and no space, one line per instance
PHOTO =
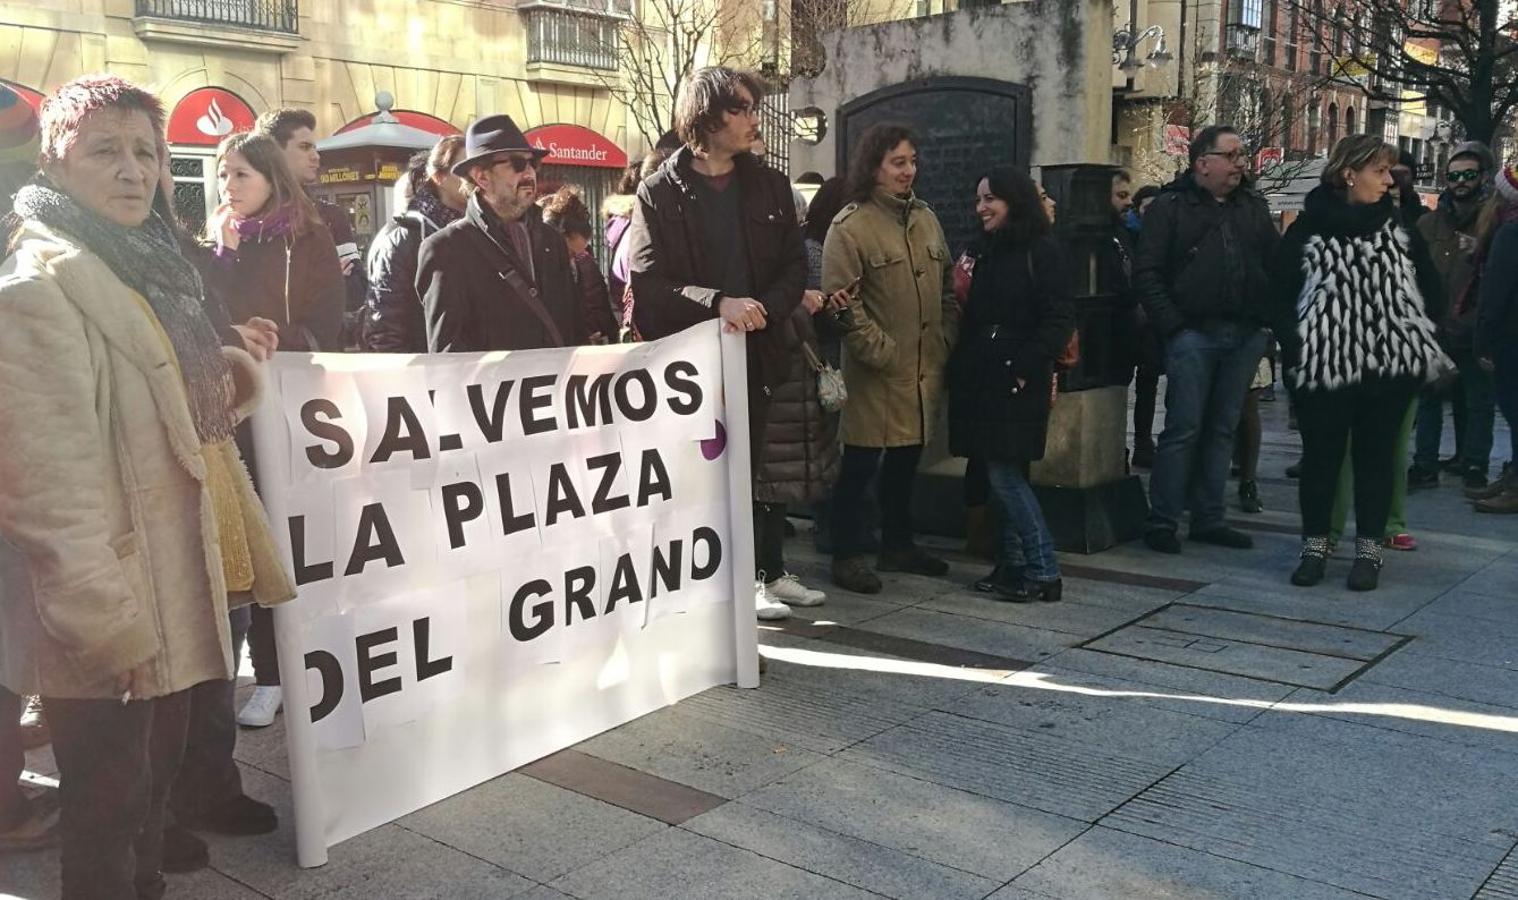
1106,863
543,892
1456,638
996,638
827,668
1028,702
1466,604
1331,604
1233,657
1044,771
1502,884
845,608
796,713
673,745
532,828
866,865
1476,725
1193,691
1497,579
262,748
679,863
1274,631
390,861
1068,617
1309,796
961,830
1490,685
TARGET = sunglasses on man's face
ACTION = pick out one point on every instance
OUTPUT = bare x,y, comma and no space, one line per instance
1462,175
519,164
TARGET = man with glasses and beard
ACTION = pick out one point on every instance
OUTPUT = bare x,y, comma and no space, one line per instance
1451,234
498,278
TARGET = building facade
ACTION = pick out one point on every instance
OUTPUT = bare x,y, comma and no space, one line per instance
218,63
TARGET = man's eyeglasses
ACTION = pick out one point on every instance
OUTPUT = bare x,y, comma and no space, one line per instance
1462,175
1233,156
519,164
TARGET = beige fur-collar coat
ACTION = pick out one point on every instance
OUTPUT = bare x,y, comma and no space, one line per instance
109,556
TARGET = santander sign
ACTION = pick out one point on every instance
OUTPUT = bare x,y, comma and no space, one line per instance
206,115
572,145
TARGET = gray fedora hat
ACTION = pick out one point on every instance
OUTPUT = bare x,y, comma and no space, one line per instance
486,137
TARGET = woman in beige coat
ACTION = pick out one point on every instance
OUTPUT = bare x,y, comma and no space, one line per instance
891,244
126,516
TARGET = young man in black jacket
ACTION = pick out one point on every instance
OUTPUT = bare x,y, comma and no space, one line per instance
1201,275
714,235
498,278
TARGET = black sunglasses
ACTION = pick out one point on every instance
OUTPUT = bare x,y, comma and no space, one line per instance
1463,175
519,164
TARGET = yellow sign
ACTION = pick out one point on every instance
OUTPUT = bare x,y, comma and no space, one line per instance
339,176
389,172
1354,68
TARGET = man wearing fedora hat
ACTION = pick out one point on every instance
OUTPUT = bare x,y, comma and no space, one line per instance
498,278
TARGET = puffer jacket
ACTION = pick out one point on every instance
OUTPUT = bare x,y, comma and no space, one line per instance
799,455
393,318
905,318
110,559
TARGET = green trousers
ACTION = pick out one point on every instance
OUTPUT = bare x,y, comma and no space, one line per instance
1396,521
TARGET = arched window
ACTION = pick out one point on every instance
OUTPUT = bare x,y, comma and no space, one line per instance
1314,120
1333,125
1349,122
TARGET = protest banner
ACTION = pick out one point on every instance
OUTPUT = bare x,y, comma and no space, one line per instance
498,555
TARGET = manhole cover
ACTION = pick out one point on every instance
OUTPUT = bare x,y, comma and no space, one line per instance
1267,648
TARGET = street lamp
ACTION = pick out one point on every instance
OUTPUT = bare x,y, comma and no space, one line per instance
1125,46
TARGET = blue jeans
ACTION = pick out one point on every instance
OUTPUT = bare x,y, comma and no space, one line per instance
1208,372
1474,407
1025,538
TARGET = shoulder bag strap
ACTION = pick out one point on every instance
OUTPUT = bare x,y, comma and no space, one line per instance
529,297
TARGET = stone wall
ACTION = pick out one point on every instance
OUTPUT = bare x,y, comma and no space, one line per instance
1060,49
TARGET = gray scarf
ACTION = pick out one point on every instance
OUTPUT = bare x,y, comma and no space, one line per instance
148,260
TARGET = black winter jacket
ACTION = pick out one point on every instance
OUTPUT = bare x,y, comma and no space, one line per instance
799,456
468,303
1201,261
1497,322
393,320
1355,296
672,277
1016,323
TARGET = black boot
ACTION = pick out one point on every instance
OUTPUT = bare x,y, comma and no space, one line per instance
1365,574
1314,563
1249,497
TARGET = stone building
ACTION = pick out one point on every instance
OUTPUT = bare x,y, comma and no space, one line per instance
218,63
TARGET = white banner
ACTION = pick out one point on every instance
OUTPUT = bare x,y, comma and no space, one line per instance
498,555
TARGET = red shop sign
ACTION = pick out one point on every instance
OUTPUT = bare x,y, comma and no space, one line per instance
571,145
206,115
33,98
406,117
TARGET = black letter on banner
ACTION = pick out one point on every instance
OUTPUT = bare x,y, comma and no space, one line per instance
397,414
609,464
462,502
375,540
650,396
533,400
562,497
714,553
624,584
421,632
305,574
542,612
584,404
578,583
445,442
331,671
653,478
368,689
320,456
511,524
666,568
493,421
686,385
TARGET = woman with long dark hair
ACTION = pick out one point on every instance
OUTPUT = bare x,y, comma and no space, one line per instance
1355,303
889,244
1017,321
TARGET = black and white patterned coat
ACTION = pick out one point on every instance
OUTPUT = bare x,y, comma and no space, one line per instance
1357,298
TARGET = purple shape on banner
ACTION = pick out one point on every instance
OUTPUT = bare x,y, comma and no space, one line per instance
711,448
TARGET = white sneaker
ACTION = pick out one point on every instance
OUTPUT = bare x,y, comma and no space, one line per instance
261,708
766,607
789,589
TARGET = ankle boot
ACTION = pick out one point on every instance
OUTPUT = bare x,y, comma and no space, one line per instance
1314,562
1249,497
1365,574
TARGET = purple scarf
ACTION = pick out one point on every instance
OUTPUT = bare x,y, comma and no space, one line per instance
276,225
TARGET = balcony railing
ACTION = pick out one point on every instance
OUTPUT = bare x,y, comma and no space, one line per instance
568,38
266,15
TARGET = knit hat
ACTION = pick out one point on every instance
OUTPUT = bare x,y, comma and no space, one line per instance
1478,151
1507,185
19,138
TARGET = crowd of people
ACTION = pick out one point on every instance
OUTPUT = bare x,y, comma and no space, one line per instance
136,561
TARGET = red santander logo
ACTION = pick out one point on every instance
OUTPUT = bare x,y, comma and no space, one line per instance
206,115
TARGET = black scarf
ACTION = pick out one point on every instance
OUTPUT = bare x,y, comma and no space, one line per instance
148,260
431,206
